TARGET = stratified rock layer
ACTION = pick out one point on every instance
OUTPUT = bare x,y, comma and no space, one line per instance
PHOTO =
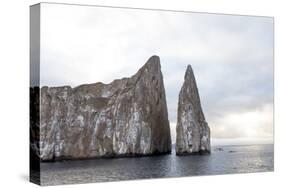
127,117
193,132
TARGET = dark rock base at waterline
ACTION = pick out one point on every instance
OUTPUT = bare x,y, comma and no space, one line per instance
111,156
194,153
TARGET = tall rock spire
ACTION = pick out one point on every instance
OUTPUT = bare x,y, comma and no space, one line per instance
193,132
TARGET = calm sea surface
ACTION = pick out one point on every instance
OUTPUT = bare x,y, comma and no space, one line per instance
233,159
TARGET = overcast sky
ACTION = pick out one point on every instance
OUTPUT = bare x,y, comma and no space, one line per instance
231,56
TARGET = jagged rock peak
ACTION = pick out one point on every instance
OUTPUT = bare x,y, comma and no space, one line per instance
127,117
154,59
193,132
152,64
189,73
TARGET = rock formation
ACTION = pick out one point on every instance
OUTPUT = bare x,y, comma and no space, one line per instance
127,117
193,132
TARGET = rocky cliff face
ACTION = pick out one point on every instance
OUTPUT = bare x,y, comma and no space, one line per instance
126,117
193,132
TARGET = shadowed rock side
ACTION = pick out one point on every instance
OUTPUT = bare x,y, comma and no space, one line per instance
193,132
127,117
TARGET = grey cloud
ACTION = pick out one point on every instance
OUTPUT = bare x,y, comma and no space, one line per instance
232,56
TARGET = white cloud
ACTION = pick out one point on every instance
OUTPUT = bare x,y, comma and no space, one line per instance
249,124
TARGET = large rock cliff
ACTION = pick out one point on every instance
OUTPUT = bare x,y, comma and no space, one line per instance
127,117
193,132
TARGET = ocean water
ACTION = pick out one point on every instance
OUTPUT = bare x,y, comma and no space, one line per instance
233,159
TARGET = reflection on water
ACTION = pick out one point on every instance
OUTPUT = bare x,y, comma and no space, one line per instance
233,159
